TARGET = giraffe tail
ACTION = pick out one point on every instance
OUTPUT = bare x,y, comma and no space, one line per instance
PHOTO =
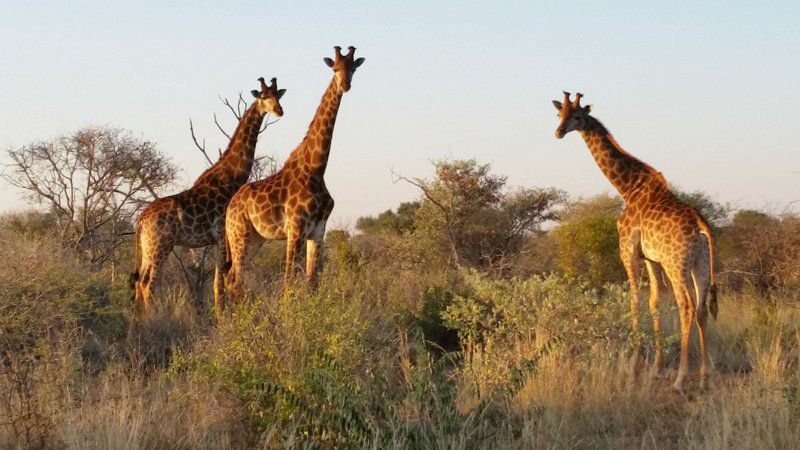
705,229
137,258
228,260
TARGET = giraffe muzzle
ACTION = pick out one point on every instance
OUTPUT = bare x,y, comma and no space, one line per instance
560,132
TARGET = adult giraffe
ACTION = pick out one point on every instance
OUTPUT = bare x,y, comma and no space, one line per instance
294,203
195,217
671,234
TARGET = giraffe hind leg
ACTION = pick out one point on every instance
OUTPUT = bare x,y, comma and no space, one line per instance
153,258
653,271
681,280
701,279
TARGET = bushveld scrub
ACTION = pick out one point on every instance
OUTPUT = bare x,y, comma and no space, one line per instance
428,330
539,361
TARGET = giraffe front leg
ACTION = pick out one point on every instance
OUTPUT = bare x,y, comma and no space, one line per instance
628,247
294,244
628,252
653,271
313,257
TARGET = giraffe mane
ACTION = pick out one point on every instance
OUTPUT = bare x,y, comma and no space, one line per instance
647,167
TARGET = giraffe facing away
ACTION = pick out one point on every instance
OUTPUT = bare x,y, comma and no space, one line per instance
293,204
670,234
195,217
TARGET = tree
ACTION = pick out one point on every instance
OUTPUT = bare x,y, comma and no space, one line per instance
467,211
762,250
587,240
398,222
94,181
715,213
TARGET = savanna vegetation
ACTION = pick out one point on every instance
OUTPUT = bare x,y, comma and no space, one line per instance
476,316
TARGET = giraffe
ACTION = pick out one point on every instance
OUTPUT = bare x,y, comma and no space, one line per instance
195,217
293,204
671,235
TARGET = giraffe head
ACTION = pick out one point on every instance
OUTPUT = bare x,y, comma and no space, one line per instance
573,115
344,66
268,99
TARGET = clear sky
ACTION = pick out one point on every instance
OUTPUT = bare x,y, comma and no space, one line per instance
706,92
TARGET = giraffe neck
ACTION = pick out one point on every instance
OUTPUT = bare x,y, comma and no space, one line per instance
313,152
235,164
623,170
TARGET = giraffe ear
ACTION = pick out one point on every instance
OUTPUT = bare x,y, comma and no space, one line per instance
328,61
255,93
587,109
557,104
358,62
280,93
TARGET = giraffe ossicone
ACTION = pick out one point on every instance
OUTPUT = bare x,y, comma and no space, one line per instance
671,235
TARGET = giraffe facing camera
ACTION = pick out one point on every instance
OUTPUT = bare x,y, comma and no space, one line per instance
195,217
293,204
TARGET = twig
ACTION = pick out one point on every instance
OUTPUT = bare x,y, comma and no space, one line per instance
222,130
202,148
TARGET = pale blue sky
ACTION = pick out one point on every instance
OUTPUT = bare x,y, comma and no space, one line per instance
705,93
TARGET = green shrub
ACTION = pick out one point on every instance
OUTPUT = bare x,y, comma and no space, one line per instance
587,240
46,293
505,325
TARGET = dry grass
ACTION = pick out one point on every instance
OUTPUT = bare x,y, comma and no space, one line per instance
546,364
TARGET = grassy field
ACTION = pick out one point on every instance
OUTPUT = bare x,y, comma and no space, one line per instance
382,355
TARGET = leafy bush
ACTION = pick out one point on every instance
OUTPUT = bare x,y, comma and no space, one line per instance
588,242
46,293
505,325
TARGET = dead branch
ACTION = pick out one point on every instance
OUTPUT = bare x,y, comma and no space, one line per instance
202,148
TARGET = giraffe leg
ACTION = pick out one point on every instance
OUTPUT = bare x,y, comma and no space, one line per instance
219,271
154,246
313,259
628,252
702,280
243,242
681,280
653,271
294,244
232,279
151,274
140,303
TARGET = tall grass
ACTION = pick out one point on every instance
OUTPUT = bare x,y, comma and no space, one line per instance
381,355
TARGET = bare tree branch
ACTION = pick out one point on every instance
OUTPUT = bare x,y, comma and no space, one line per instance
94,181
222,130
202,148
